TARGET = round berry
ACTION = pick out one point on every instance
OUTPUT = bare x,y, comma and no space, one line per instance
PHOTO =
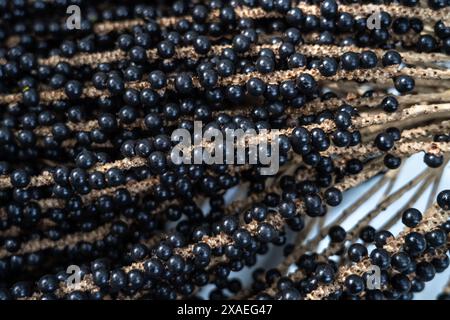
411,217
241,43
389,104
329,8
202,45
337,234
354,284
392,162
333,196
391,57
350,61
157,79
368,59
265,64
415,243
328,67
165,49
433,160
356,252
384,141
404,84
20,178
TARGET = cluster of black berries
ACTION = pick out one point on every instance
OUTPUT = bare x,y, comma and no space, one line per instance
87,116
403,273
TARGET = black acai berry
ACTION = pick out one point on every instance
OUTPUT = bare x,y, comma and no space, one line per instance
327,93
